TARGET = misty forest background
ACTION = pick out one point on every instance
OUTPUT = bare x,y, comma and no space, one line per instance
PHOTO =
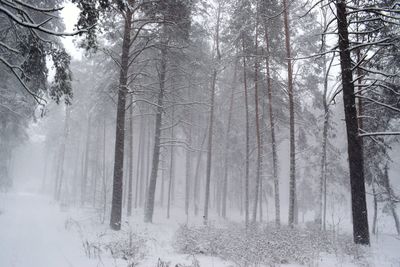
283,113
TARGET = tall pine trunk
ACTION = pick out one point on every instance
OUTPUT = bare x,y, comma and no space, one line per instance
246,104
391,197
130,159
272,131
149,209
355,152
171,167
292,180
211,119
116,206
227,146
258,135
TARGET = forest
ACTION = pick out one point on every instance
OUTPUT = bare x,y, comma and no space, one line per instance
195,133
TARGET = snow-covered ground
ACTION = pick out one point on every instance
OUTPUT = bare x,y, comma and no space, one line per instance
36,232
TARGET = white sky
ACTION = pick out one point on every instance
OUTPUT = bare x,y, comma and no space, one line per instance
70,16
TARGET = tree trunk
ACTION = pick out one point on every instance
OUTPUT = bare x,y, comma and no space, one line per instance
62,153
375,199
130,158
292,183
272,130
188,162
196,176
104,171
116,207
139,166
149,210
355,152
322,182
171,167
392,203
211,121
246,103
227,145
258,136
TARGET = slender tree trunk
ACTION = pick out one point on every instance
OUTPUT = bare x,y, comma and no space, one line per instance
196,176
375,218
62,153
321,201
171,167
292,183
227,145
272,130
391,197
104,172
149,209
355,152
211,121
130,158
188,163
116,207
138,165
143,163
246,103
162,180
257,119
86,163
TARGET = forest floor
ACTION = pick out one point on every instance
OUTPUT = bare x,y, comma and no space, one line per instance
37,232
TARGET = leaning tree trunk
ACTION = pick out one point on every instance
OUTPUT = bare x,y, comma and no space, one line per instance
355,152
116,206
292,183
149,209
272,129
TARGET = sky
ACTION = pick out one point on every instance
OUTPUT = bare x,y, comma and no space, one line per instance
70,16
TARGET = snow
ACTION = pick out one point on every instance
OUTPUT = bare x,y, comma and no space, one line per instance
36,232
33,234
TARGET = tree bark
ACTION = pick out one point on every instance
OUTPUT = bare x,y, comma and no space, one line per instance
149,209
116,206
139,166
257,118
355,152
272,130
130,158
227,146
246,103
392,203
171,167
211,120
196,176
292,181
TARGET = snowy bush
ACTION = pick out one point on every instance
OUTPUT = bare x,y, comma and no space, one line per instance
261,245
128,246
195,263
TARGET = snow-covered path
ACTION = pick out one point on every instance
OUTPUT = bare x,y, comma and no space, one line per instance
32,233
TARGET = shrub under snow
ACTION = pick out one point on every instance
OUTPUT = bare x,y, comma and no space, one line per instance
262,245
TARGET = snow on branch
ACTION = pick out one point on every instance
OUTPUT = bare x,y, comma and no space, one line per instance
36,26
378,134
